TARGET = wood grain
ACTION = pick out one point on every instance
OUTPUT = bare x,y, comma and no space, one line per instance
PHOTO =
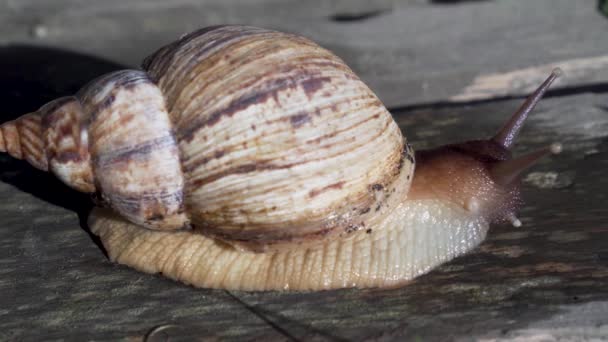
547,279
409,52
57,282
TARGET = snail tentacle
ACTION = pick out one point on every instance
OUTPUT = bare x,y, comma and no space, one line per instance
507,135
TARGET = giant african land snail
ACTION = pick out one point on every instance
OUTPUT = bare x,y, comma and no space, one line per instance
246,158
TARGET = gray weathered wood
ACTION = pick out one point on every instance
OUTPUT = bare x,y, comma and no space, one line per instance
410,52
548,277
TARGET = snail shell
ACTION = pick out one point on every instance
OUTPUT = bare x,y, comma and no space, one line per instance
253,136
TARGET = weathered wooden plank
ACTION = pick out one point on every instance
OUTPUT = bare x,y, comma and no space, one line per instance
410,52
547,277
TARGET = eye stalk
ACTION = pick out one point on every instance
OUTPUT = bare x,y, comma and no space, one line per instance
481,176
508,133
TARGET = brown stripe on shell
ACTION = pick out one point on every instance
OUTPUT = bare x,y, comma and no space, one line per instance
315,192
250,90
12,139
203,159
311,86
344,130
53,106
189,52
138,151
62,123
260,165
332,134
31,154
300,119
30,133
216,44
267,91
161,59
234,107
264,165
296,120
229,61
272,81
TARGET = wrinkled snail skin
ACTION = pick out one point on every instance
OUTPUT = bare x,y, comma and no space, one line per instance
245,158
411,240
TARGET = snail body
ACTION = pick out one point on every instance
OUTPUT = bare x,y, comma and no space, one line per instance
246,158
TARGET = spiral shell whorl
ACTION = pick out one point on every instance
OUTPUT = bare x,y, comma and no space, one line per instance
279,140
22,139
53,139
114,137
134,153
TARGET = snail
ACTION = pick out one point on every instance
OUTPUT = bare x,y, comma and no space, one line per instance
250,159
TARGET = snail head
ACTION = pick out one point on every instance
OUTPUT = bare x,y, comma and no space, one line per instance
482,175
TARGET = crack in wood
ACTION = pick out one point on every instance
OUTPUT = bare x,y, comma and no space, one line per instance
358,16
263,317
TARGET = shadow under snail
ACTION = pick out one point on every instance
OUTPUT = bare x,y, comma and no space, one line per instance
245,158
